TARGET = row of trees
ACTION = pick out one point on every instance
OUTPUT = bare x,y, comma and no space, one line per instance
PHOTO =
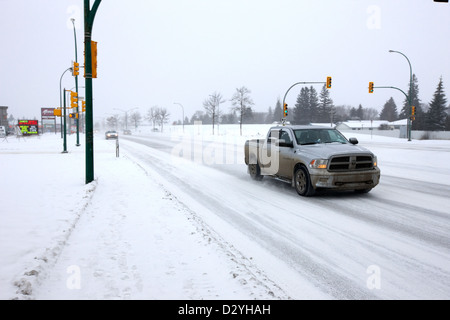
310,107
242,108
313,107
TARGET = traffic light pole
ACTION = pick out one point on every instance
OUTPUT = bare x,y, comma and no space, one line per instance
284,98
393,88
76,85
65,126
89,15
60,98
409,121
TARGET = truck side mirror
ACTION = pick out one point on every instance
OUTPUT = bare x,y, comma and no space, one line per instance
353,140
286,144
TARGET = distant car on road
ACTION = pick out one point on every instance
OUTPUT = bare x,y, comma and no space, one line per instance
127,132
111,135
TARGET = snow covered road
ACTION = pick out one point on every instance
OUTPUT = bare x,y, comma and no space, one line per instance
392,243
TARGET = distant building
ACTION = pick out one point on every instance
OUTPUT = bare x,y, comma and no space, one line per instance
399,124
328,124
4,116
361,124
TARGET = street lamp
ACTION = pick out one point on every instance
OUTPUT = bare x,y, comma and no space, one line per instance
126,115
182,110
409,95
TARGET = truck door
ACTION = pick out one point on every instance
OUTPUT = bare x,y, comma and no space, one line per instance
286,151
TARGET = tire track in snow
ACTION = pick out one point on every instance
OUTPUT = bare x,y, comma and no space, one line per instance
304,260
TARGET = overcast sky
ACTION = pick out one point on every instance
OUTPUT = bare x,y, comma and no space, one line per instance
155,53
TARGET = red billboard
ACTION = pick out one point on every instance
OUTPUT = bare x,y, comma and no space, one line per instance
47,113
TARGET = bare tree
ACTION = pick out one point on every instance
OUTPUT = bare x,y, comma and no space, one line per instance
370,113
136,118
163,117
112,122
211,106
153,115
242,103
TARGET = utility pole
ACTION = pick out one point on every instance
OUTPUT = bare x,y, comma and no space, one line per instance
182,109
408,97
76,83
89,15
65,126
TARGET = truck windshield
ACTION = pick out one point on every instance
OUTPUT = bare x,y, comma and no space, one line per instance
314,136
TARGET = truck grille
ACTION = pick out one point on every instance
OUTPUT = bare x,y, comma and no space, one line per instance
351,163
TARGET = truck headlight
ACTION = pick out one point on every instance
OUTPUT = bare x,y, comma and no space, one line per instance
375,161
318,163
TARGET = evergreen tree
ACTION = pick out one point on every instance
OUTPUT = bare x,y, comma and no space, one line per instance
436,115
389,111
269,116
302,112
447,122
277,112
353,113
313,103
360,112
325,105
419,123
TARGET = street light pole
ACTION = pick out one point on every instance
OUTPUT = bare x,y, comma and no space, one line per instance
65,119
182,108
76,86
60,98
126,115
409,95
89,15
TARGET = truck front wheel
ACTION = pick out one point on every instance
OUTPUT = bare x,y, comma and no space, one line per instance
255,171
302,182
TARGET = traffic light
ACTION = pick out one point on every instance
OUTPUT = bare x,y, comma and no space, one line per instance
94,58
370,87
285,110
413,110
83,106
75,69
73,99
73,115
57,112
328,82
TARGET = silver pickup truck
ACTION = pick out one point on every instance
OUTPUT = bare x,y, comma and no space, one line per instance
312,158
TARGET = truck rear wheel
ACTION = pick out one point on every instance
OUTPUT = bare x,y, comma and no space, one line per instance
255,171
302,182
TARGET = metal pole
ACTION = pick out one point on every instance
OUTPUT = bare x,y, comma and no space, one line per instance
182,109
126,115
76,85
284,98
89,15
409,95
60,98
65,134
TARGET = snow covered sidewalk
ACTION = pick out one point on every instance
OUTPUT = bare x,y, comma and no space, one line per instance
122,236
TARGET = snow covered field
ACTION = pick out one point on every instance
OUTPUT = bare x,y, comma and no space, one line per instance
176,216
